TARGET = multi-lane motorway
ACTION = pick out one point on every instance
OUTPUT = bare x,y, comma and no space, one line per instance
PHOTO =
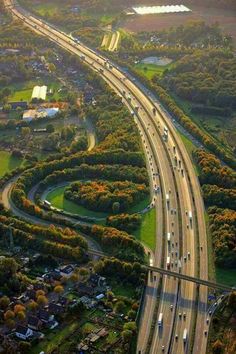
181,242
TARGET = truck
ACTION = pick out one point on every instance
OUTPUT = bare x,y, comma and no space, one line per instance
185,335
190,215
168,237
168,201
160,320
168,262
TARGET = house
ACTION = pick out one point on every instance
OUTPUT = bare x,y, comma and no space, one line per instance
55,308
45,316
66,270
23,332
85,290
29,115
21,104
34,323
31,294
96,280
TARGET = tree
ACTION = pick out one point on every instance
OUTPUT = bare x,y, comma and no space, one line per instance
25,131
110,295
50,128
120,307
232,300
21,316
132,314
6,107
32,306
42,300
126,335
9,315
116,207
19,308
58,290
39,292
217,347
10,323
24,347
4,302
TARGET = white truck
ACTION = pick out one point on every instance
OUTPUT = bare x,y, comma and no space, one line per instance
168,262
168,201
190,215
160,320
185,335
168,237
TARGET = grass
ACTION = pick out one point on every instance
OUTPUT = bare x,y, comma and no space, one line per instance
120,290
147,231
55,338
56,198
8,162
23,91
226,276
149,70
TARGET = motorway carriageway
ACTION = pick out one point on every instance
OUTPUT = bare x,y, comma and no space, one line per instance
185,189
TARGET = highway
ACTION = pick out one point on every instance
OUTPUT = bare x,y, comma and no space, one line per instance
179,194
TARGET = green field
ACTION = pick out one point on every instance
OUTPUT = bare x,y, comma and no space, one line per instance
147,231
226,276
56,198
8,162
23,91
149,70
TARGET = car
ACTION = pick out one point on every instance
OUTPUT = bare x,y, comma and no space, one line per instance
184,316
171,307
205,333
163,348
176,337
180,315
185,258
210,313
207,321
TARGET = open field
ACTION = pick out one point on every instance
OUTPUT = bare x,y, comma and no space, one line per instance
147,231
8,162
226,20
149,70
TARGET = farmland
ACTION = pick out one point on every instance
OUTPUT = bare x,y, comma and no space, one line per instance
225,18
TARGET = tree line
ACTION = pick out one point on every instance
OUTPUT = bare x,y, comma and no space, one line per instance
101,195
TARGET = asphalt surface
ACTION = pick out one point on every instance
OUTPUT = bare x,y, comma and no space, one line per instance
185,195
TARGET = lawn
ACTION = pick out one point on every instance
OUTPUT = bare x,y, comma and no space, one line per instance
149,70
8,162
147,231
226,276
56,198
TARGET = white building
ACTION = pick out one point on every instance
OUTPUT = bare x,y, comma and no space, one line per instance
39,92
32,114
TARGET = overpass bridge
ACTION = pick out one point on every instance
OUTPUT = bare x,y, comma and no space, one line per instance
170,273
